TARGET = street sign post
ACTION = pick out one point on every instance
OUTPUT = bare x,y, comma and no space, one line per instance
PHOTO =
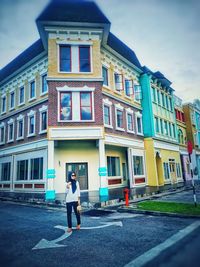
190,149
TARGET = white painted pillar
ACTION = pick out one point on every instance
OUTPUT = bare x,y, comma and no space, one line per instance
103,190
50,174
130,167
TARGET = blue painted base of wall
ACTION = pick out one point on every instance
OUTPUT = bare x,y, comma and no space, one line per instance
103,191
50,195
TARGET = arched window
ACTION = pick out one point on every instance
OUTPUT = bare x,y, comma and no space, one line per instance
180,137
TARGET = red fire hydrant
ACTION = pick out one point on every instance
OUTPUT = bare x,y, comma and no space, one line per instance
126,194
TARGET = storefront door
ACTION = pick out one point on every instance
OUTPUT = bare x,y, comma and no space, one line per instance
81,170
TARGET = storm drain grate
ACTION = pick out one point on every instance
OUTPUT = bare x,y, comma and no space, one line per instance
97,213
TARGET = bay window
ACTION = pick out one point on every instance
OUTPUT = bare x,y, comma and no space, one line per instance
75,106
84,59
74,58
65,58
86,106
65,106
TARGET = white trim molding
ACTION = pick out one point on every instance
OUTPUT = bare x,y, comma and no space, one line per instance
75,89
76,133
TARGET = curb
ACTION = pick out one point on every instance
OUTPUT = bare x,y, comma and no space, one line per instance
156,213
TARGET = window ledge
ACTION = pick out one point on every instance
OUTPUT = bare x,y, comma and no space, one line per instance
43,132
117,92
120,129
2,143
128,131
10,141
31,135
21,104
2,113
10,109
32,99
20,138
141,134
108,126
44,93
106,86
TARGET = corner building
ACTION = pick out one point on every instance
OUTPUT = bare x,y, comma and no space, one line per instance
89,120
160,130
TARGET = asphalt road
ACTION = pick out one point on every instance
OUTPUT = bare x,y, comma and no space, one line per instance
113,240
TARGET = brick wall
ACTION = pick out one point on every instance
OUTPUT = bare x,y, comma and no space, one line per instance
53,103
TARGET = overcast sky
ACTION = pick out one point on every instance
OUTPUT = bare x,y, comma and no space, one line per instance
165,35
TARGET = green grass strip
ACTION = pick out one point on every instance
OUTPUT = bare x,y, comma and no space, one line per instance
181,208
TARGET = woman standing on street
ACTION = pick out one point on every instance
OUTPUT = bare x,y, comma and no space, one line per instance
73,200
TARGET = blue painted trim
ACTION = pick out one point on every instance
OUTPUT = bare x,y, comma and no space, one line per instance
50,173
147,108
102,169
102,173
50,195
103,191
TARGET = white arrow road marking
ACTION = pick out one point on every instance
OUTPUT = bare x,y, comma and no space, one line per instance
105,224
122,216
43,243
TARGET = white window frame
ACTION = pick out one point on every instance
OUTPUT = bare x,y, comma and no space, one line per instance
2,128
29,86
108,103
30,114
3,96
139,115
124,82
41,84
121,74
108,74
42,110
10,93
130,112
29,156
20,118
11,121
75,91
120,108
137,84
74,56
22,103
